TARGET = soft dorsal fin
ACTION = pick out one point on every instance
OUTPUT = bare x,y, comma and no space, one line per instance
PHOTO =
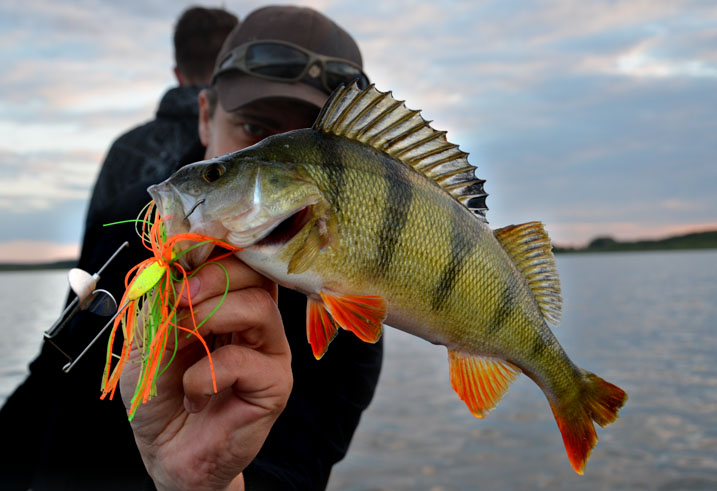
377,119
529,247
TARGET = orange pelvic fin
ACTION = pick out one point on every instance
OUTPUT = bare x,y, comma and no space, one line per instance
320,328
480,382
599,401
363,316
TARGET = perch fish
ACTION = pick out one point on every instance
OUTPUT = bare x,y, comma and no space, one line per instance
377,218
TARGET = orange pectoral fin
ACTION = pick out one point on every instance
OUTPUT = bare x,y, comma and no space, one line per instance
363,316
320,328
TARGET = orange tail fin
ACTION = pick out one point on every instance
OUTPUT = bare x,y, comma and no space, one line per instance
599,401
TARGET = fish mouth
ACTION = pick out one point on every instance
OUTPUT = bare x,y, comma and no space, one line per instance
253,227
286,229
181,215
276,231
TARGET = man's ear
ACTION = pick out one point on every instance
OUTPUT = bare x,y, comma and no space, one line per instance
204,117
179,75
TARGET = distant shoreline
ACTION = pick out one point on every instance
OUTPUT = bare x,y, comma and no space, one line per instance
65,264
698,240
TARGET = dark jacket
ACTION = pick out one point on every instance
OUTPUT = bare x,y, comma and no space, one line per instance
58,434
146,152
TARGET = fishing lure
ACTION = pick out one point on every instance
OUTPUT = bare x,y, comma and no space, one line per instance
148,314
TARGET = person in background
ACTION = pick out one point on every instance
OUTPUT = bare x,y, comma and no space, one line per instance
281,419
46,424
146,152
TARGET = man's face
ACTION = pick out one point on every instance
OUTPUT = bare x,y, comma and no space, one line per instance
225,132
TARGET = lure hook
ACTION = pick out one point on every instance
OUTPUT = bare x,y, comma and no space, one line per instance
196,205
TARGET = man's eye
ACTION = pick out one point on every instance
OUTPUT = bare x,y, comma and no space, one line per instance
254,129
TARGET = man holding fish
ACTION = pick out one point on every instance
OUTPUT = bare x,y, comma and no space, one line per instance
272,76
281,419
376,217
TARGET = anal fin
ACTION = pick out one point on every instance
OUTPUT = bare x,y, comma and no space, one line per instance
480,382
362,315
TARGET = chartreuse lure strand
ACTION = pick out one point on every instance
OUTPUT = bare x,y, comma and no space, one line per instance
148,312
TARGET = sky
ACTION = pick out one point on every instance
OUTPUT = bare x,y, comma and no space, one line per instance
597,118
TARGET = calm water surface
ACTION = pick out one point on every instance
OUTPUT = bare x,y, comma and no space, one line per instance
645,321
30,301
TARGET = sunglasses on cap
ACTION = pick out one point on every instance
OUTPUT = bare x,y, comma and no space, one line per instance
287,62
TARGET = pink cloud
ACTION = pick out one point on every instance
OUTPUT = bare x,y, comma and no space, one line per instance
581,233
31,251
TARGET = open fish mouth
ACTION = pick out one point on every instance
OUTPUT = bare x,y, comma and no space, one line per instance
286,229
272,232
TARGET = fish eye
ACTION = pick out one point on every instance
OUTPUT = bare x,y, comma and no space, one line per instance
213,172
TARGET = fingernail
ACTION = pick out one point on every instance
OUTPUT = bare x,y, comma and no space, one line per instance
192,287
190,406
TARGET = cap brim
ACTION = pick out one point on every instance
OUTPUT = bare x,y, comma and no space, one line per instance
236,90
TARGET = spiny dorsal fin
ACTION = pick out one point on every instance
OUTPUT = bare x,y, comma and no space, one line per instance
529,247
377,119
480,382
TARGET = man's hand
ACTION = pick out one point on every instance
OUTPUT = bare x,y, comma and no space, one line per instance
189,437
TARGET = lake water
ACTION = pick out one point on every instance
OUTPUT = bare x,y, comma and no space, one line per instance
644,321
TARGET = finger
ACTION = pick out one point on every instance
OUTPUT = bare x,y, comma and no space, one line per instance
214,279
251,314
261,380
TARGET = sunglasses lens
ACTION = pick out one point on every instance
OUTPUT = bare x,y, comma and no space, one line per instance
275,60
342,73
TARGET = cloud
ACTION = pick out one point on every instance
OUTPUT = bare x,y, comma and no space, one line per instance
578,234
679,205
41,180
562,20
22,251
76,87
644,60
586,115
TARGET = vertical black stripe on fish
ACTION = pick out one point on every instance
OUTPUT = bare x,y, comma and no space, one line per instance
335,170
399,195
539,346
461,248
506,305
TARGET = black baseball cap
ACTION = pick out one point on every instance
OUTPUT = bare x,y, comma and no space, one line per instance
301,26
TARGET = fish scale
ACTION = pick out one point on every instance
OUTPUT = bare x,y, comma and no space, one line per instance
377,218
